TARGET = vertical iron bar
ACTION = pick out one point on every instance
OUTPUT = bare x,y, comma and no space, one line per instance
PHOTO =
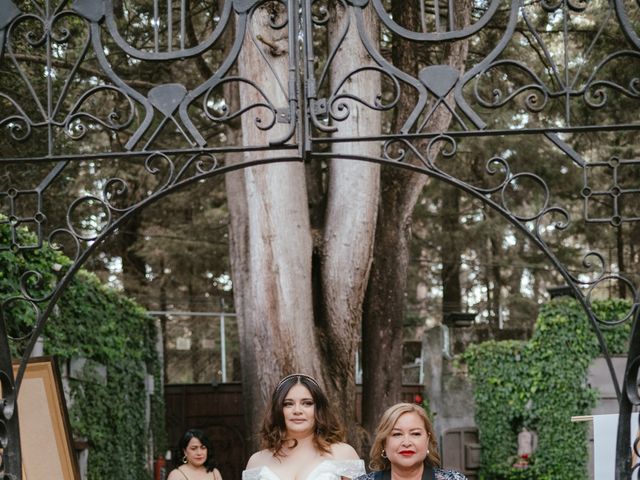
183,8
223,350
309,77
567,96
452,23
12,452
436,14
423,20
295,105
169,26
48,33
624,443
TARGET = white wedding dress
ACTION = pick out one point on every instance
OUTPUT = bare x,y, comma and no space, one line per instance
325,470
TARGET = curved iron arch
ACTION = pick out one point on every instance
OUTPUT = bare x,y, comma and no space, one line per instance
9,428
311,124
11,386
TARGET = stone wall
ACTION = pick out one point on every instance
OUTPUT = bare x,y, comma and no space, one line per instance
447,387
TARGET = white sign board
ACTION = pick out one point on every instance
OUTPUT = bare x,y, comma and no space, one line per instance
605,431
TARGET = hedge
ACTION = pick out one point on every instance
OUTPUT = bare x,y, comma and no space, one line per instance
102,325
539,385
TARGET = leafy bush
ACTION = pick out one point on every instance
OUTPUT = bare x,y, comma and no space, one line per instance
102,325
540,385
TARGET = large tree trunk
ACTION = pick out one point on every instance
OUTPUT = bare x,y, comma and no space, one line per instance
384,307
134,266
280,331
352,199
382,332
239,259
271,238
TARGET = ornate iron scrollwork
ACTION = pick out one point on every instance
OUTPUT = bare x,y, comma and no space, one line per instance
68,101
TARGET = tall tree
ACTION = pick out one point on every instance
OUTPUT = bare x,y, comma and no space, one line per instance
302,288
384,306
304,278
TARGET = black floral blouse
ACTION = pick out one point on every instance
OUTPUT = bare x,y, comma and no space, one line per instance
440,475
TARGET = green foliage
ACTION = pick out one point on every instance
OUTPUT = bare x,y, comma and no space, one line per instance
103,326
426,406
540,385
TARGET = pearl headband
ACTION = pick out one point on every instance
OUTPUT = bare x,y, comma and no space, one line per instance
308,377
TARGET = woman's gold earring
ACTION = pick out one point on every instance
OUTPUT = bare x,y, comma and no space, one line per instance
184,459
383,454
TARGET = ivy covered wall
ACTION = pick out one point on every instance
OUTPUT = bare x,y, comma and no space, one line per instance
539,385
101,325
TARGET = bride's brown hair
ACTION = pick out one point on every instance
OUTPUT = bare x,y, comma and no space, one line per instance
328,429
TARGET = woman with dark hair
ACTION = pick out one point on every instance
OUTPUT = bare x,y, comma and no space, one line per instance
405,447
302,438
196,461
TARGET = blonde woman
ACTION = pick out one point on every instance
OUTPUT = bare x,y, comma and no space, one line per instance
405,447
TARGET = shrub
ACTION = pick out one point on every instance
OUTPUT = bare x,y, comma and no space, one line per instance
540,385
103,326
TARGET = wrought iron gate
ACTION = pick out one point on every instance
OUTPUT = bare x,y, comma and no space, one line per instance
562,71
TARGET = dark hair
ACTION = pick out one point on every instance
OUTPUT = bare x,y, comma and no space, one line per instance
384,428
209,463
328,429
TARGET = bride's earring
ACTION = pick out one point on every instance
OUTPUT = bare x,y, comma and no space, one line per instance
383,454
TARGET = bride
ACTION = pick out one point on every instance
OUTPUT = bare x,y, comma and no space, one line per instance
302,437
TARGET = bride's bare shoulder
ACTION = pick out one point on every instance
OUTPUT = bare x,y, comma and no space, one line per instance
343,451
259,459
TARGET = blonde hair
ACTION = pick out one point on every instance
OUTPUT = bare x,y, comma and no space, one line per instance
385,426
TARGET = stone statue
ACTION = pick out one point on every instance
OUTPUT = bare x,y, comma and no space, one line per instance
527,442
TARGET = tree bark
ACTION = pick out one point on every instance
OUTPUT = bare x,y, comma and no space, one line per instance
272,236
133,265
451,255
382,332
350,217
239,259
282,330
384,304
496,255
